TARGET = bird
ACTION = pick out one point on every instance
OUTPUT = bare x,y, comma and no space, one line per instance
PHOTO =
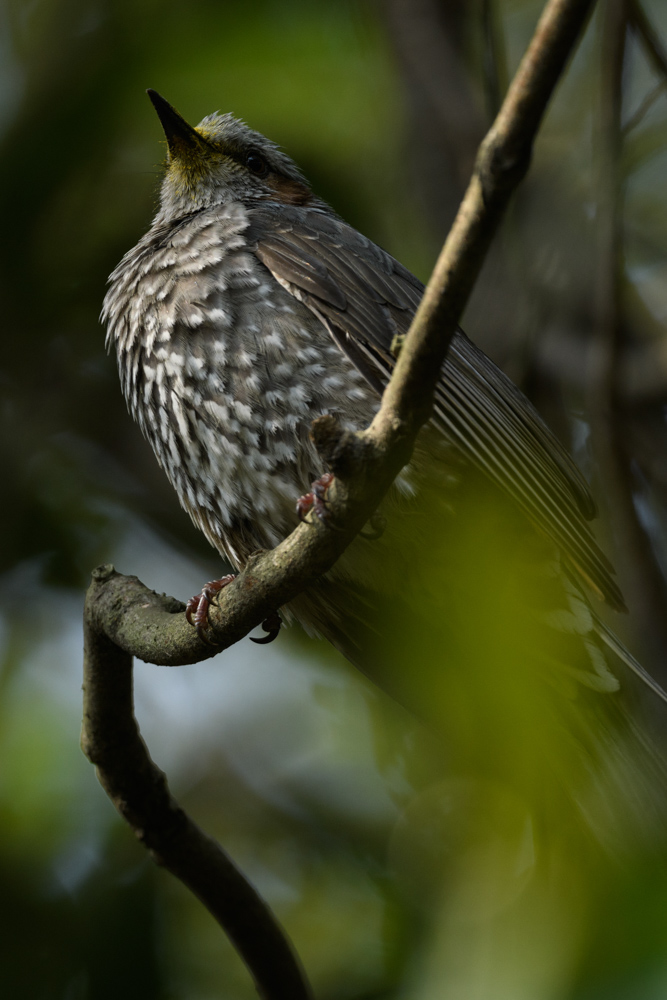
249,308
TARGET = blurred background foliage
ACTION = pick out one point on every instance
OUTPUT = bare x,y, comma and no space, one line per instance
395,873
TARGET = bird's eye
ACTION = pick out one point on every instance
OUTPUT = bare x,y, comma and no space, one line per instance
256,164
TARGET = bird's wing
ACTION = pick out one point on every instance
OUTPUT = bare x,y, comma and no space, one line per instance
365,298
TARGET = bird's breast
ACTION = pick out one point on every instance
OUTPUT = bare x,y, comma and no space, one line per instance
224,370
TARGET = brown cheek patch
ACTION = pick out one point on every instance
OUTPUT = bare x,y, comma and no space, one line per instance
288,191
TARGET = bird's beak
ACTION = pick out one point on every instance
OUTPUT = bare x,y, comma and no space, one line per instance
182,139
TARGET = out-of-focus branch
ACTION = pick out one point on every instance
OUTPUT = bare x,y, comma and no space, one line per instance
657,54
649,36
641,575
502,162
644,107
444,122
123,618
494,64
111,740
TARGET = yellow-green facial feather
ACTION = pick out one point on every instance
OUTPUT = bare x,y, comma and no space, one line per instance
223,161
189,167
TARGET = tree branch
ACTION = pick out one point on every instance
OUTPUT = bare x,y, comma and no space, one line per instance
657,55
650,38
123,618
138,789
643,580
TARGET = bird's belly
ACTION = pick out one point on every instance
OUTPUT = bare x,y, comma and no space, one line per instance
235,442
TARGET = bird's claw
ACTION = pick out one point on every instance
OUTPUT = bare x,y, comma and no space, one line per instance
201,632
315,500
377,524
271,625
196,610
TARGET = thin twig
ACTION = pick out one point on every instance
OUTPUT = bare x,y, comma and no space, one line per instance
650,38
644,108
657,54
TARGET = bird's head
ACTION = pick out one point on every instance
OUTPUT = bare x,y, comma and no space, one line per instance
222,160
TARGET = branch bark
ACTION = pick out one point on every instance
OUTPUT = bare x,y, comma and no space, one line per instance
124,619
138,789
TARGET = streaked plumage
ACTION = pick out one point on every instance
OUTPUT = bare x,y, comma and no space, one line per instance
248,309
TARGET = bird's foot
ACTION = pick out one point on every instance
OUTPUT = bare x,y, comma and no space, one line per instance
316,499
196,610
376,527
271,625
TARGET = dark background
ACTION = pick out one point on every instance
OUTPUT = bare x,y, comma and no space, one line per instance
316,784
